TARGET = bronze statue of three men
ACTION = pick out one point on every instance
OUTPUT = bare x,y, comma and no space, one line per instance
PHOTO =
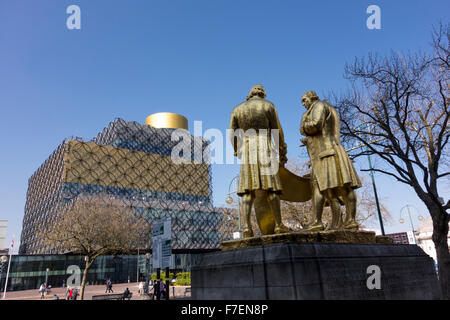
257,137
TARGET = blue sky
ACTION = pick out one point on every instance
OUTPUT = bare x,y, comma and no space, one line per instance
197,58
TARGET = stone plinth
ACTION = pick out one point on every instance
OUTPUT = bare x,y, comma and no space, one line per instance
332,236
296,271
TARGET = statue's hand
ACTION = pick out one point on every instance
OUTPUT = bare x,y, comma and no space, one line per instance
283,152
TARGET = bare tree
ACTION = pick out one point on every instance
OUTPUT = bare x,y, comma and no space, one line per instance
367,207
96,225
398,109
230,221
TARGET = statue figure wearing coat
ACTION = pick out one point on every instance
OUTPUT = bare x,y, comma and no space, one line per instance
253,124
333,176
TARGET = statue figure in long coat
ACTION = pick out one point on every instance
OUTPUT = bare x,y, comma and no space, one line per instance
254,123
333,176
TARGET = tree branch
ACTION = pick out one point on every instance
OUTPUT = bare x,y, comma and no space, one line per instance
390,174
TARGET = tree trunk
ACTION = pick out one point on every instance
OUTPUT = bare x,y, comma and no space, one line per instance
83,281
443,258
440,233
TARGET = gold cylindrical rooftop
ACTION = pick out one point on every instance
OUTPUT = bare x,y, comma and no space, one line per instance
167,120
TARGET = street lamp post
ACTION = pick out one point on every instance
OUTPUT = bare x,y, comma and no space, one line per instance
410,219
376,196
147,280
137,263
372,176
9,266
229,200
46,276
7,275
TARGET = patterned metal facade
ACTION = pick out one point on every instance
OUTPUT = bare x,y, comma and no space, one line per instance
132,163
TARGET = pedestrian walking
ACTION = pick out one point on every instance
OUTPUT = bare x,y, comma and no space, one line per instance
70,296
155,291
42,290
109,286
75,294
162,289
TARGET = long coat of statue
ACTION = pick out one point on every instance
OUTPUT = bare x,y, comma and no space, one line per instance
256,113
330,164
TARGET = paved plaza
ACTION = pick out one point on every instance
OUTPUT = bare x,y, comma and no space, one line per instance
177,292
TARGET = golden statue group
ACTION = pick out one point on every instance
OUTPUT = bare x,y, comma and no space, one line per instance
257,137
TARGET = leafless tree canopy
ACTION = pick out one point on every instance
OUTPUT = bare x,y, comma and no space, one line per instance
96,225
398,110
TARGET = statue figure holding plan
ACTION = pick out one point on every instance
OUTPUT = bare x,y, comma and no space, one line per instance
333,176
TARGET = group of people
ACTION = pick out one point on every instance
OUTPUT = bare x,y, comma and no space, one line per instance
154,286
71,293
126,294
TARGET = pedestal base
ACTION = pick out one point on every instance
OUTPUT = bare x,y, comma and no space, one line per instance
331,236
315,271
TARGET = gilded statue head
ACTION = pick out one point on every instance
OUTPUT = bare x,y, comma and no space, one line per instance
309,98
257,90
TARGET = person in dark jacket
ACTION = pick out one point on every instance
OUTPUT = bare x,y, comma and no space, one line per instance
126,294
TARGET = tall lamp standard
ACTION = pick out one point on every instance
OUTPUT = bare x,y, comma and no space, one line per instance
137,266
229,199
147,269
46,276
410,220
9,266
380,219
